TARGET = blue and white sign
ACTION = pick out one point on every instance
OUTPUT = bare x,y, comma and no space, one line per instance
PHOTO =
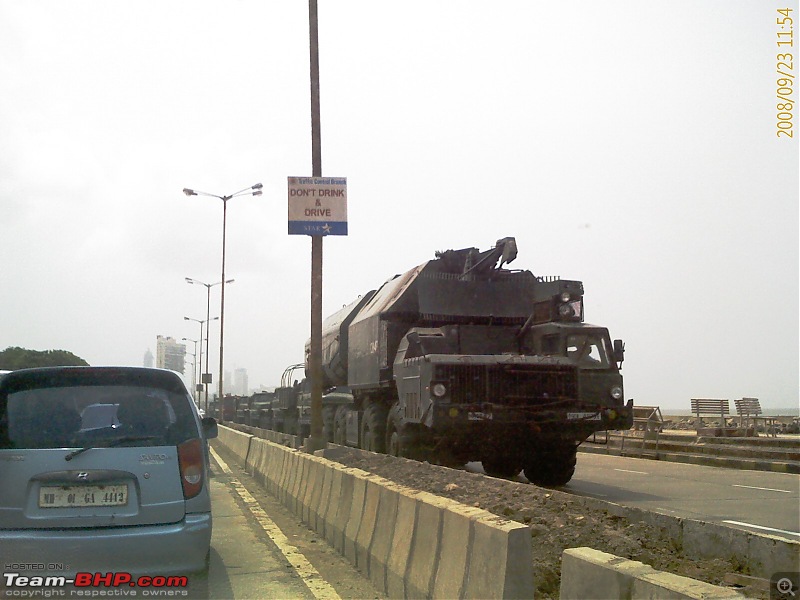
317,206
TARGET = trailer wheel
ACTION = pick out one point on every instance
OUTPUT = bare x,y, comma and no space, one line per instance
340,426
501,466
553,468
328,416
373,428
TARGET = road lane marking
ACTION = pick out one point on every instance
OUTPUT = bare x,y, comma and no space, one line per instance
750,487
627,471
310,576
783,531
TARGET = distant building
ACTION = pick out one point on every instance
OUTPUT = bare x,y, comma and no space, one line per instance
170,354
239,387
148,359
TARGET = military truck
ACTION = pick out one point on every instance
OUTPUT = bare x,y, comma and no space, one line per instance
460,359
292,407
261,410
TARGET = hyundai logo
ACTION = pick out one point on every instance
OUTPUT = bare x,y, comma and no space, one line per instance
83,476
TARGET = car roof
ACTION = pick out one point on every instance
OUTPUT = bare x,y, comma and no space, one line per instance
101,375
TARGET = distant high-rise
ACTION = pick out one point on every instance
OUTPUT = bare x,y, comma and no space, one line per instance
170,354
240,382
148,359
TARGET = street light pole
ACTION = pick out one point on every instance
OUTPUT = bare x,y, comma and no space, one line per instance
195,363
254,190
208,329
208,287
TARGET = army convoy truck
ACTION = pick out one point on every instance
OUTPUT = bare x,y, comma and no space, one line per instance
460,359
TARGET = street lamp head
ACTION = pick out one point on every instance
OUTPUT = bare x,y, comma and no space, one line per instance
186,319
257,186
189,192
229,280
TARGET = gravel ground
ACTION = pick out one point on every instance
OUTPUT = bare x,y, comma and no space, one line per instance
556,520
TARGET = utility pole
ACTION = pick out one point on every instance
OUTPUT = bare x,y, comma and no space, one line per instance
316,442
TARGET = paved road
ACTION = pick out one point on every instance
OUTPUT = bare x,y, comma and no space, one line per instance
757,501
259,550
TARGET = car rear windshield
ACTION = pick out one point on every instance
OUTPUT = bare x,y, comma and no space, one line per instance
83,415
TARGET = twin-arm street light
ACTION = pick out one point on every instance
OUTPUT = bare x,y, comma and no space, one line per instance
207,320
254,190
208,287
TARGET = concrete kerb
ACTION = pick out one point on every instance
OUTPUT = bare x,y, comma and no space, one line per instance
381,544
236,441
424,556
311,482
369,521
589,573
321,501
354,520
402,537
500,546
329,502
343,509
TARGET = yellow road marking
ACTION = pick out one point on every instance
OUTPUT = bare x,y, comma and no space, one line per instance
305,570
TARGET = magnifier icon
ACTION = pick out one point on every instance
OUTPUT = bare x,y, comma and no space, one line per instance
784,586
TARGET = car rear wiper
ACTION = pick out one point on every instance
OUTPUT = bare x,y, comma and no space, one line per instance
110,444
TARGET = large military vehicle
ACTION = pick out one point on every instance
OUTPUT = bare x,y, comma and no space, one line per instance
292,404
460,359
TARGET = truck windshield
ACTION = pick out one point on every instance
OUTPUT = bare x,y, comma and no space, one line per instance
589,350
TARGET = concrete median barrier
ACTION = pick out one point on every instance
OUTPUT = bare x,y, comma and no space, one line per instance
589,573
395,535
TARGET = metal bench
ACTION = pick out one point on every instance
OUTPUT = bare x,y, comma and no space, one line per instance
710,406
647,418
749,410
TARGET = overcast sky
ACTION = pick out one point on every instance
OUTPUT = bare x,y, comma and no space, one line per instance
631,145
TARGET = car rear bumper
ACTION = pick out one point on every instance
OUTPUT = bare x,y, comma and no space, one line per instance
173,549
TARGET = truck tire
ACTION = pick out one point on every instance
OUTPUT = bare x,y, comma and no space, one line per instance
340,426
373,428
328,416
401,439
554,468
501,466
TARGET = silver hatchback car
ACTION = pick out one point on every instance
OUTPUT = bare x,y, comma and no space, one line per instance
103,469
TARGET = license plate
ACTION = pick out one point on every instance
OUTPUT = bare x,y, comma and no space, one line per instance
583,416
65,496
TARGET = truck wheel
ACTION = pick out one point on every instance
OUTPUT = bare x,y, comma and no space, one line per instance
553,468
401,442
340,426
328,416
501,466
373,428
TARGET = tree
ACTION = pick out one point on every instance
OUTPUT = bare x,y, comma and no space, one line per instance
13,358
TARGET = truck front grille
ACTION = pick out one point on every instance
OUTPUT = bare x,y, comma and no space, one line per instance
509,385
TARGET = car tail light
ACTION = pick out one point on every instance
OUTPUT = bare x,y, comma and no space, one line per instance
190,459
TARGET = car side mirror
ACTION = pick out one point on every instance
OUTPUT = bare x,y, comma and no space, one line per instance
619,351
210,429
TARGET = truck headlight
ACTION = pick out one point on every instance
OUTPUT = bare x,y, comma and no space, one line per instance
565,296
616,392
439,390
566,310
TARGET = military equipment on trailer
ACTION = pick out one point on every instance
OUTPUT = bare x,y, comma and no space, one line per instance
460,359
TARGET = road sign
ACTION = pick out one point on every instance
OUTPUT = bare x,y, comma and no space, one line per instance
317,206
